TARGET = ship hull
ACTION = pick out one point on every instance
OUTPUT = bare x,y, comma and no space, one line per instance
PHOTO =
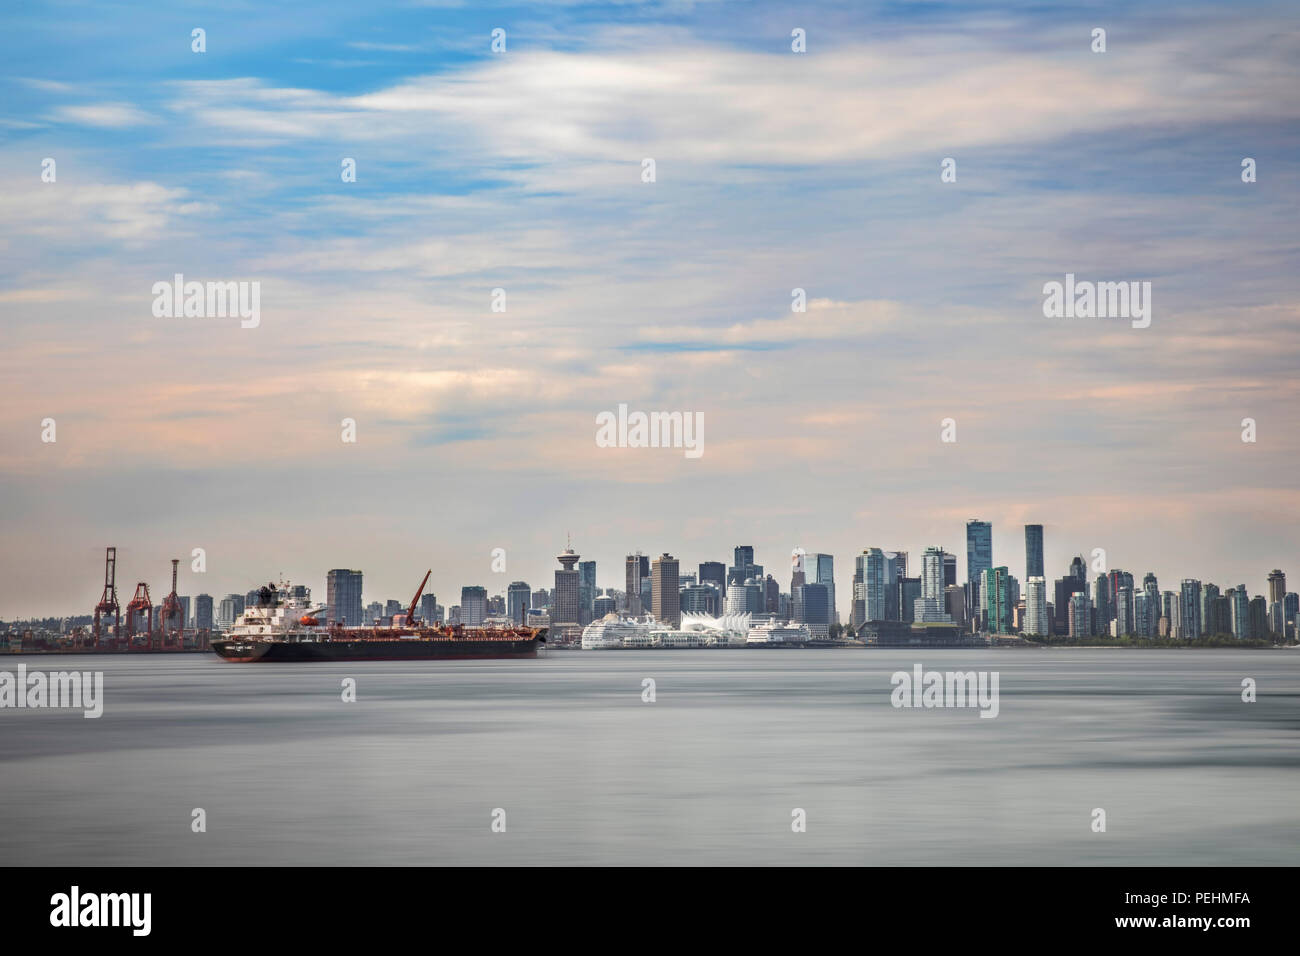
254,652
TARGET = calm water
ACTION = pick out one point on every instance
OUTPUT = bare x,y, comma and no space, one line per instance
709,773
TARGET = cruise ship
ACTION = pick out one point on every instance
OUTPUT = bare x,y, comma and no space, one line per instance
696,630
612,631
772,633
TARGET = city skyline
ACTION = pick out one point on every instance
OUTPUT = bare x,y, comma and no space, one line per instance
841,584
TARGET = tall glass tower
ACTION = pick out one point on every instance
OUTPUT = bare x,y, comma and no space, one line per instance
979,556
1033,551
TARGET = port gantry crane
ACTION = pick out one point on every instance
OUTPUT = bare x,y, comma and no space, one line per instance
108,601
141,603
172,619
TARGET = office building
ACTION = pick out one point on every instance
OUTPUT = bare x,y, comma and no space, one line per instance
518,600
666,591
203,616
343,598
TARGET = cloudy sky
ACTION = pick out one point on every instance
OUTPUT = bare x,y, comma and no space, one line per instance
522,170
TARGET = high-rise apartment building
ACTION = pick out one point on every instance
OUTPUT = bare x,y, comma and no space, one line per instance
1036,607
1189,600
996,591
1079,615
1209,603
1240,612
930,608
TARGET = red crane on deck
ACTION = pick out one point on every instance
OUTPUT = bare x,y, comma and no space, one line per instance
410,613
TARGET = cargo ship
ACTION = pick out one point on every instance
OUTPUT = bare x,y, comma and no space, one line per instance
282,628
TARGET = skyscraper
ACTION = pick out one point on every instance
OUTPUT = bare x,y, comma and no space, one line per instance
343,598
586,590
771,595
814,608
1240,612
203,612
1210,622
1080,615
1276,586
820,569
473,605
1034,553
518,600
979,556
1124,614
1190,602
667,597
1036,607
566,612
995,589
929,607
1101,603
714,572
880,589
744,567
858,608
949,569
635,571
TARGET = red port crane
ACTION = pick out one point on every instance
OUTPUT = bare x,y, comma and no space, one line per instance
108,601
410,613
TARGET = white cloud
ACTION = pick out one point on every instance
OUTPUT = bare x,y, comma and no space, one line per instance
104,115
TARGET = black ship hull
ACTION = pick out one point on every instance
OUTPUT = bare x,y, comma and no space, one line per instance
249,652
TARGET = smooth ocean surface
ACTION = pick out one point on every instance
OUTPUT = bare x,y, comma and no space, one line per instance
587,773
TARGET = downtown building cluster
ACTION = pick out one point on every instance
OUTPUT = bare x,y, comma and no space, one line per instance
894,600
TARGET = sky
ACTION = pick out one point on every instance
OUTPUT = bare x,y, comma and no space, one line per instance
522,170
